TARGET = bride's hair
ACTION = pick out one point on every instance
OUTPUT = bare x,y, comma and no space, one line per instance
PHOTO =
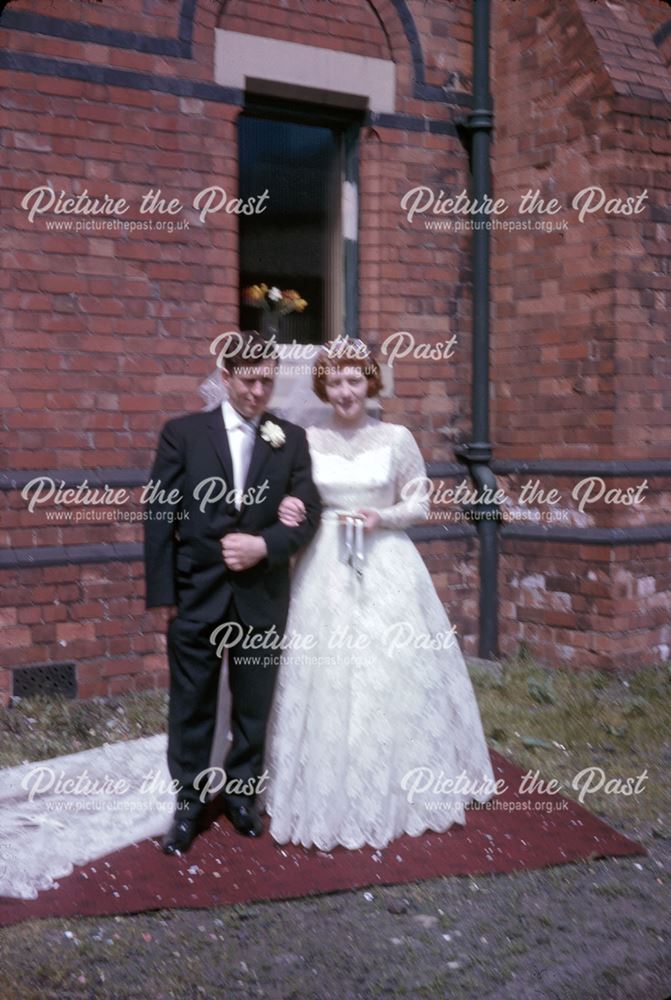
346,353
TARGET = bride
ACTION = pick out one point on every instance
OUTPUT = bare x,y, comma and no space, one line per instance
376,731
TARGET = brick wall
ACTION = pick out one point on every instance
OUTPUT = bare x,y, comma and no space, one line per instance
105,334
584,101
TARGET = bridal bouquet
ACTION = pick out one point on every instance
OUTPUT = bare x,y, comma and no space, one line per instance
273,299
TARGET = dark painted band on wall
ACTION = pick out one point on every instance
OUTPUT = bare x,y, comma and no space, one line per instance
25,62
77,31
662,33
580,467
134,478
69,555
640,535
99,34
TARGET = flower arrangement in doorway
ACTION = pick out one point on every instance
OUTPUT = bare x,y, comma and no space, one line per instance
273,299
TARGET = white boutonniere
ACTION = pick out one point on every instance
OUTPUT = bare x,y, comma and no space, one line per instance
272,433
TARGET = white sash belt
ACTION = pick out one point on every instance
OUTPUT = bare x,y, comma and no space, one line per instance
354,552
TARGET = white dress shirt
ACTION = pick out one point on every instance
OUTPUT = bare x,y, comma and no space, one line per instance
241,434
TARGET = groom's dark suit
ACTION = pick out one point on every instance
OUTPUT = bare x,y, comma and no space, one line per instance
184,566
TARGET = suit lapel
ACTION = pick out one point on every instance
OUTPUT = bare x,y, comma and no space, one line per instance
260,454
219,441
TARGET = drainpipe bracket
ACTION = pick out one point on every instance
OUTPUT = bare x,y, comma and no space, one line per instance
474,451
476,120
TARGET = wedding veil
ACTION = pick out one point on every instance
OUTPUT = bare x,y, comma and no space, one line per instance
293,397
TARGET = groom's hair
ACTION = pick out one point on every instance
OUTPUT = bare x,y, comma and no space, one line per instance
247,348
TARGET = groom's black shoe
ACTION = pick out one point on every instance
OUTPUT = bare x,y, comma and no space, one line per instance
243,816
180,836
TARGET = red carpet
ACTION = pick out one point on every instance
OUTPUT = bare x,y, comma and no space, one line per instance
222,867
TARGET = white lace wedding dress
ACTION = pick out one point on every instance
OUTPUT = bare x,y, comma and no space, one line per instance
371,723
70,810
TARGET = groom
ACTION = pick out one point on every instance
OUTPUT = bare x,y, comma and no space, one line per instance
214,547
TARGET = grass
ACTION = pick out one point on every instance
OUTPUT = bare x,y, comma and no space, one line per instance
560,722
557,722
37,728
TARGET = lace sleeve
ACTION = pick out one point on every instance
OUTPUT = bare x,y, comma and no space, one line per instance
411,484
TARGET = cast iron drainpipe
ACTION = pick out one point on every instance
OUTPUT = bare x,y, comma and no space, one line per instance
475,131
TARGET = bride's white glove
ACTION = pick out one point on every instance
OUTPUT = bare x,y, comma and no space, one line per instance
291,511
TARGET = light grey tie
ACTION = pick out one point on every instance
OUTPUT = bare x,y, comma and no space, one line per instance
247,431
